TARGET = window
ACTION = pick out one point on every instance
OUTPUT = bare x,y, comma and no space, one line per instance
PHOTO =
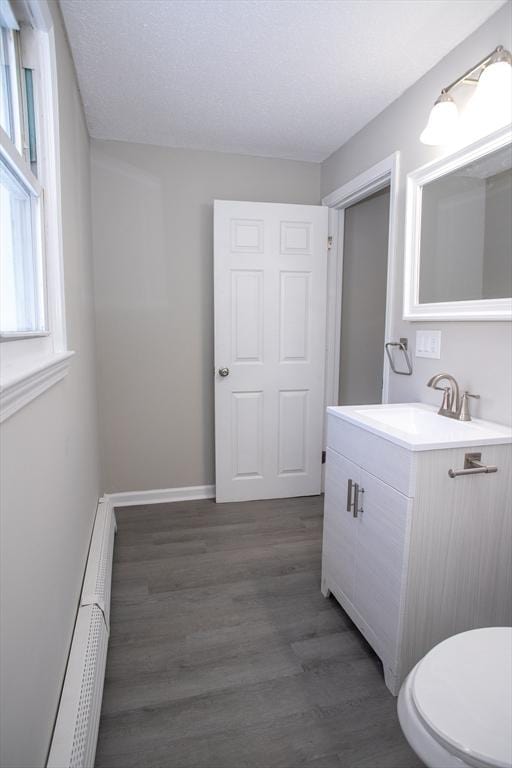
32,331
22,279
21,266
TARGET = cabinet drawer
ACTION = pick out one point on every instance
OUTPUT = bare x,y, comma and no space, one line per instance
385,460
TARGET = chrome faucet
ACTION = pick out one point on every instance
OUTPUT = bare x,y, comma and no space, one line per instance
454,406
451,398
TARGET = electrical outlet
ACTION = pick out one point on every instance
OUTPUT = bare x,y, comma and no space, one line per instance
428,344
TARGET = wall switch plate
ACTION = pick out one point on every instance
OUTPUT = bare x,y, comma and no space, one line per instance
428,344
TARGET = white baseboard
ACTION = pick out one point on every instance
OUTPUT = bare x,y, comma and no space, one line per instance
161,495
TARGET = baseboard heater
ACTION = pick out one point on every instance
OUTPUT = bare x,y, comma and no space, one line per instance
76,727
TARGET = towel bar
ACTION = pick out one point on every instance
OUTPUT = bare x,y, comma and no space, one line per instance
473,466
402,345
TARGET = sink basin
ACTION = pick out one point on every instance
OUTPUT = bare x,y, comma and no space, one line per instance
419,427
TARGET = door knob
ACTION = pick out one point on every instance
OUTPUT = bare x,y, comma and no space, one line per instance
223,372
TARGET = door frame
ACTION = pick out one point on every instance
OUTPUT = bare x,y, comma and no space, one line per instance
379,176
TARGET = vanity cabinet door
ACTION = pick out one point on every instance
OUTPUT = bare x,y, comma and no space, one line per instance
381,561
340,531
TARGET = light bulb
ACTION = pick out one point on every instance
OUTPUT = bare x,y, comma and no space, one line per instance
494,92
442,122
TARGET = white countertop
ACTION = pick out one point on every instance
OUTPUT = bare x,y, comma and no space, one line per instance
418,427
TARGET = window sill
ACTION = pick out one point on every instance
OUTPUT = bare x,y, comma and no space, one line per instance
20,386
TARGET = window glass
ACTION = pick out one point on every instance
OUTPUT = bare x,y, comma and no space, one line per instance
31,120
7,64
21,283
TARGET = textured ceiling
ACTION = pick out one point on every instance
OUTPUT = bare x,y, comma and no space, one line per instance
279,78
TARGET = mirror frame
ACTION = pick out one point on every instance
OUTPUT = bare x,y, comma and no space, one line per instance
474,309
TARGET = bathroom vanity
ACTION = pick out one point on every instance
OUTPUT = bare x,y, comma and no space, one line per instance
412,553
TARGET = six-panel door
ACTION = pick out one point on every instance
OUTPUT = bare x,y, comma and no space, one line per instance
270,264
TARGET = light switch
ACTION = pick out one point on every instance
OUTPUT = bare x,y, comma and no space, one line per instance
428,344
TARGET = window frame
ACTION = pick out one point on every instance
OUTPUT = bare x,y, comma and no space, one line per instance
16,113
30,362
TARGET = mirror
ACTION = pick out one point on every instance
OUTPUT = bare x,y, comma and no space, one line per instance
466,232
459,235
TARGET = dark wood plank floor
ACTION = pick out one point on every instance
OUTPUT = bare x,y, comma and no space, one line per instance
224,654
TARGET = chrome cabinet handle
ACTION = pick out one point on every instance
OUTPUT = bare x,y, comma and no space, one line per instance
353,503
223,372
357,491
350,485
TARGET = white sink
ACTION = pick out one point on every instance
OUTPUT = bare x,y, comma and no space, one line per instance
419,427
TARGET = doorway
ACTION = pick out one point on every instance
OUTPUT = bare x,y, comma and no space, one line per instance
363,303
361,282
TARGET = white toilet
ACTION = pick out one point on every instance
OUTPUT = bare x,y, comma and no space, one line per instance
455,707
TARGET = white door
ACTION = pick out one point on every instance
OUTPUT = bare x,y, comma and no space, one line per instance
270,264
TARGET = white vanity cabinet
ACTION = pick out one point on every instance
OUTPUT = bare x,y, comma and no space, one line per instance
417,556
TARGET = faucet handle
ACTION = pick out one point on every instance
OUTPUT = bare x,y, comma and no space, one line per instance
447,400
464,414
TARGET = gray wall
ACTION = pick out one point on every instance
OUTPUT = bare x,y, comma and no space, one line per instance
49,480
152,234
478,354
363,315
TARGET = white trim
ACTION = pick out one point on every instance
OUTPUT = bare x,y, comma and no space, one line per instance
52,190
362,186
161,496
18,164
40,14
7,15
334,292
381,175
25,386
483,309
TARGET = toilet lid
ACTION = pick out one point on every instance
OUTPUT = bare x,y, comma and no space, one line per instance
462,690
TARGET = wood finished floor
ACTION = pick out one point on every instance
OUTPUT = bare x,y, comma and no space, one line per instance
224,654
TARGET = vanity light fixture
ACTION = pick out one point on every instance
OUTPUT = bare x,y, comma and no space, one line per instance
491,100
